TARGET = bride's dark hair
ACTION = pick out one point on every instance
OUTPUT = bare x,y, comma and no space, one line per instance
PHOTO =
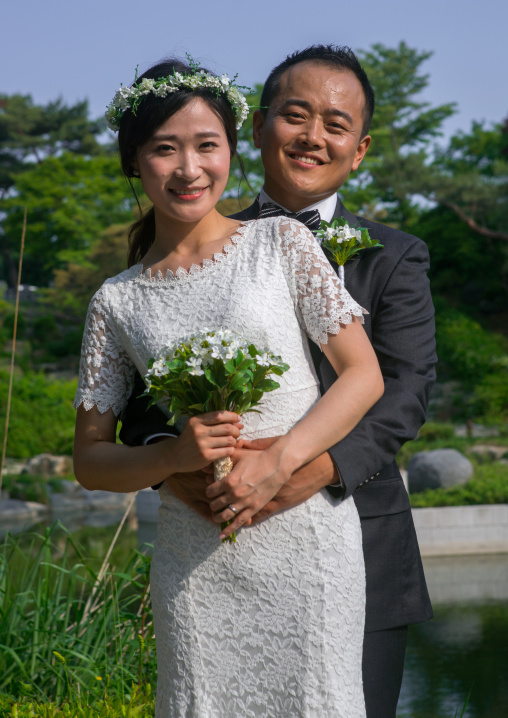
136,129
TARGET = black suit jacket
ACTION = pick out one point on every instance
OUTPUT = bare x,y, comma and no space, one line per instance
391,283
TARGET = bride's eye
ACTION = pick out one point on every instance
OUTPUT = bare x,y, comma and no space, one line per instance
208,145
164,148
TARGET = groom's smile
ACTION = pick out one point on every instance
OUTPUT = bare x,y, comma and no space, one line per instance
311,135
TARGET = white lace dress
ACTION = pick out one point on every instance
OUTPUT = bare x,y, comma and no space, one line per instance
271,625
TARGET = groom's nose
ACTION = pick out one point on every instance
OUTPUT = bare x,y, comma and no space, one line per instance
312,133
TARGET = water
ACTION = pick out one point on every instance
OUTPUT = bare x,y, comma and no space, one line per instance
465,647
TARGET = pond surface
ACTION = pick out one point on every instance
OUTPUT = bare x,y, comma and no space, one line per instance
462,651
465,647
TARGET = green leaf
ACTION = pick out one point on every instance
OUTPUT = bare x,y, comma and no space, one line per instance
267,385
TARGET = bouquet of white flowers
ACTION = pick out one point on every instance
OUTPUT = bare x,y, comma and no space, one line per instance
212,371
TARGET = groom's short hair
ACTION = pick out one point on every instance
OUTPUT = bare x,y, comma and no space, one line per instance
341,58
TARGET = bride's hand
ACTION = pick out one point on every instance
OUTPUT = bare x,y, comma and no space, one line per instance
204,439
255,479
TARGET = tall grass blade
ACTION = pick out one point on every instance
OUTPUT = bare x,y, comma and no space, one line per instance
14,333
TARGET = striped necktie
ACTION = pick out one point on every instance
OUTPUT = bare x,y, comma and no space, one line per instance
311,218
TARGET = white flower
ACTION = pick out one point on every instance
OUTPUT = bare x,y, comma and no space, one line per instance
195,365
159,367
126,96
264,360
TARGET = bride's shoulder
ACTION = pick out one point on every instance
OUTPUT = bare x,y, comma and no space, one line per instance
116,286
277,228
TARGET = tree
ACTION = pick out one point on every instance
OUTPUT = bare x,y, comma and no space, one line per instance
74,285
402,129
71,199
470,178
29,133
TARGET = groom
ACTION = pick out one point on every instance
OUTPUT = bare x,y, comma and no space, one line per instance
312,131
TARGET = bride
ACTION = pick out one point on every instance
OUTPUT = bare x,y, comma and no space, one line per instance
271,625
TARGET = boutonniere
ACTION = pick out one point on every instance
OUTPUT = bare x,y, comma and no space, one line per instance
344,242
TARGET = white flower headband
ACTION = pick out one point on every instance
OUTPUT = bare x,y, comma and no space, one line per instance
130,97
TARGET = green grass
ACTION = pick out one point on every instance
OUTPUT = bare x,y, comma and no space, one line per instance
139,702
68,631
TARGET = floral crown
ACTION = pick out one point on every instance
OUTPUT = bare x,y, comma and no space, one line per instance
130,97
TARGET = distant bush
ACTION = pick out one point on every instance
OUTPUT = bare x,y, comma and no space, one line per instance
468,350
477,358
433,430
488,486
42,417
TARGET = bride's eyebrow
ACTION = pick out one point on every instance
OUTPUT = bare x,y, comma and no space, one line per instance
174,138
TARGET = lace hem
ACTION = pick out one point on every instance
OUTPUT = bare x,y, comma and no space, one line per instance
218,259
89,401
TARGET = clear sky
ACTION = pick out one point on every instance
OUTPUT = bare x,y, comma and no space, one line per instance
85,49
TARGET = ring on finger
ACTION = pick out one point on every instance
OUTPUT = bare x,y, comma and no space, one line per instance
235,511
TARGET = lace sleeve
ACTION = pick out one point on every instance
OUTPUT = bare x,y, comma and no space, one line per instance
322,302
106,374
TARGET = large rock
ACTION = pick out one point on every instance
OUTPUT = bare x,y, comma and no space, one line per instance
437,469
17,510
49,466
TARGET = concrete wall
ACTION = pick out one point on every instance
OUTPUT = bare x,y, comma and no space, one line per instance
444,531
455,530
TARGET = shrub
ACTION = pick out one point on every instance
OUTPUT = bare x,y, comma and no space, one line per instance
488,486
477,358
42,417
433,430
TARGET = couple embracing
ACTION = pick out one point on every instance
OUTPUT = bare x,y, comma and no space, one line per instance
306,615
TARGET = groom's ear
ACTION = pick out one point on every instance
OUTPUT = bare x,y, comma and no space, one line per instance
258,120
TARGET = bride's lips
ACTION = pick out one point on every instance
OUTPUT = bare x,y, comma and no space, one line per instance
188,193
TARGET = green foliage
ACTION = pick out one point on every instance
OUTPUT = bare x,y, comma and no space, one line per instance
488,486
67,632
476,357
29,133
467,348
42,417
402,128
343,242
433,430
26,487
470,176
469,270
490,399
244,183
213,371
76,284
139,702
71,199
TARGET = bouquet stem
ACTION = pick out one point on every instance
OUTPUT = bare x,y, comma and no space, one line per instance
221,468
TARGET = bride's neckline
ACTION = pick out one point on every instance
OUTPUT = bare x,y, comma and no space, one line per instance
208,264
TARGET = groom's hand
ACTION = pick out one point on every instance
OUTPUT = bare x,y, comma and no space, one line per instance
303,484
190,489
